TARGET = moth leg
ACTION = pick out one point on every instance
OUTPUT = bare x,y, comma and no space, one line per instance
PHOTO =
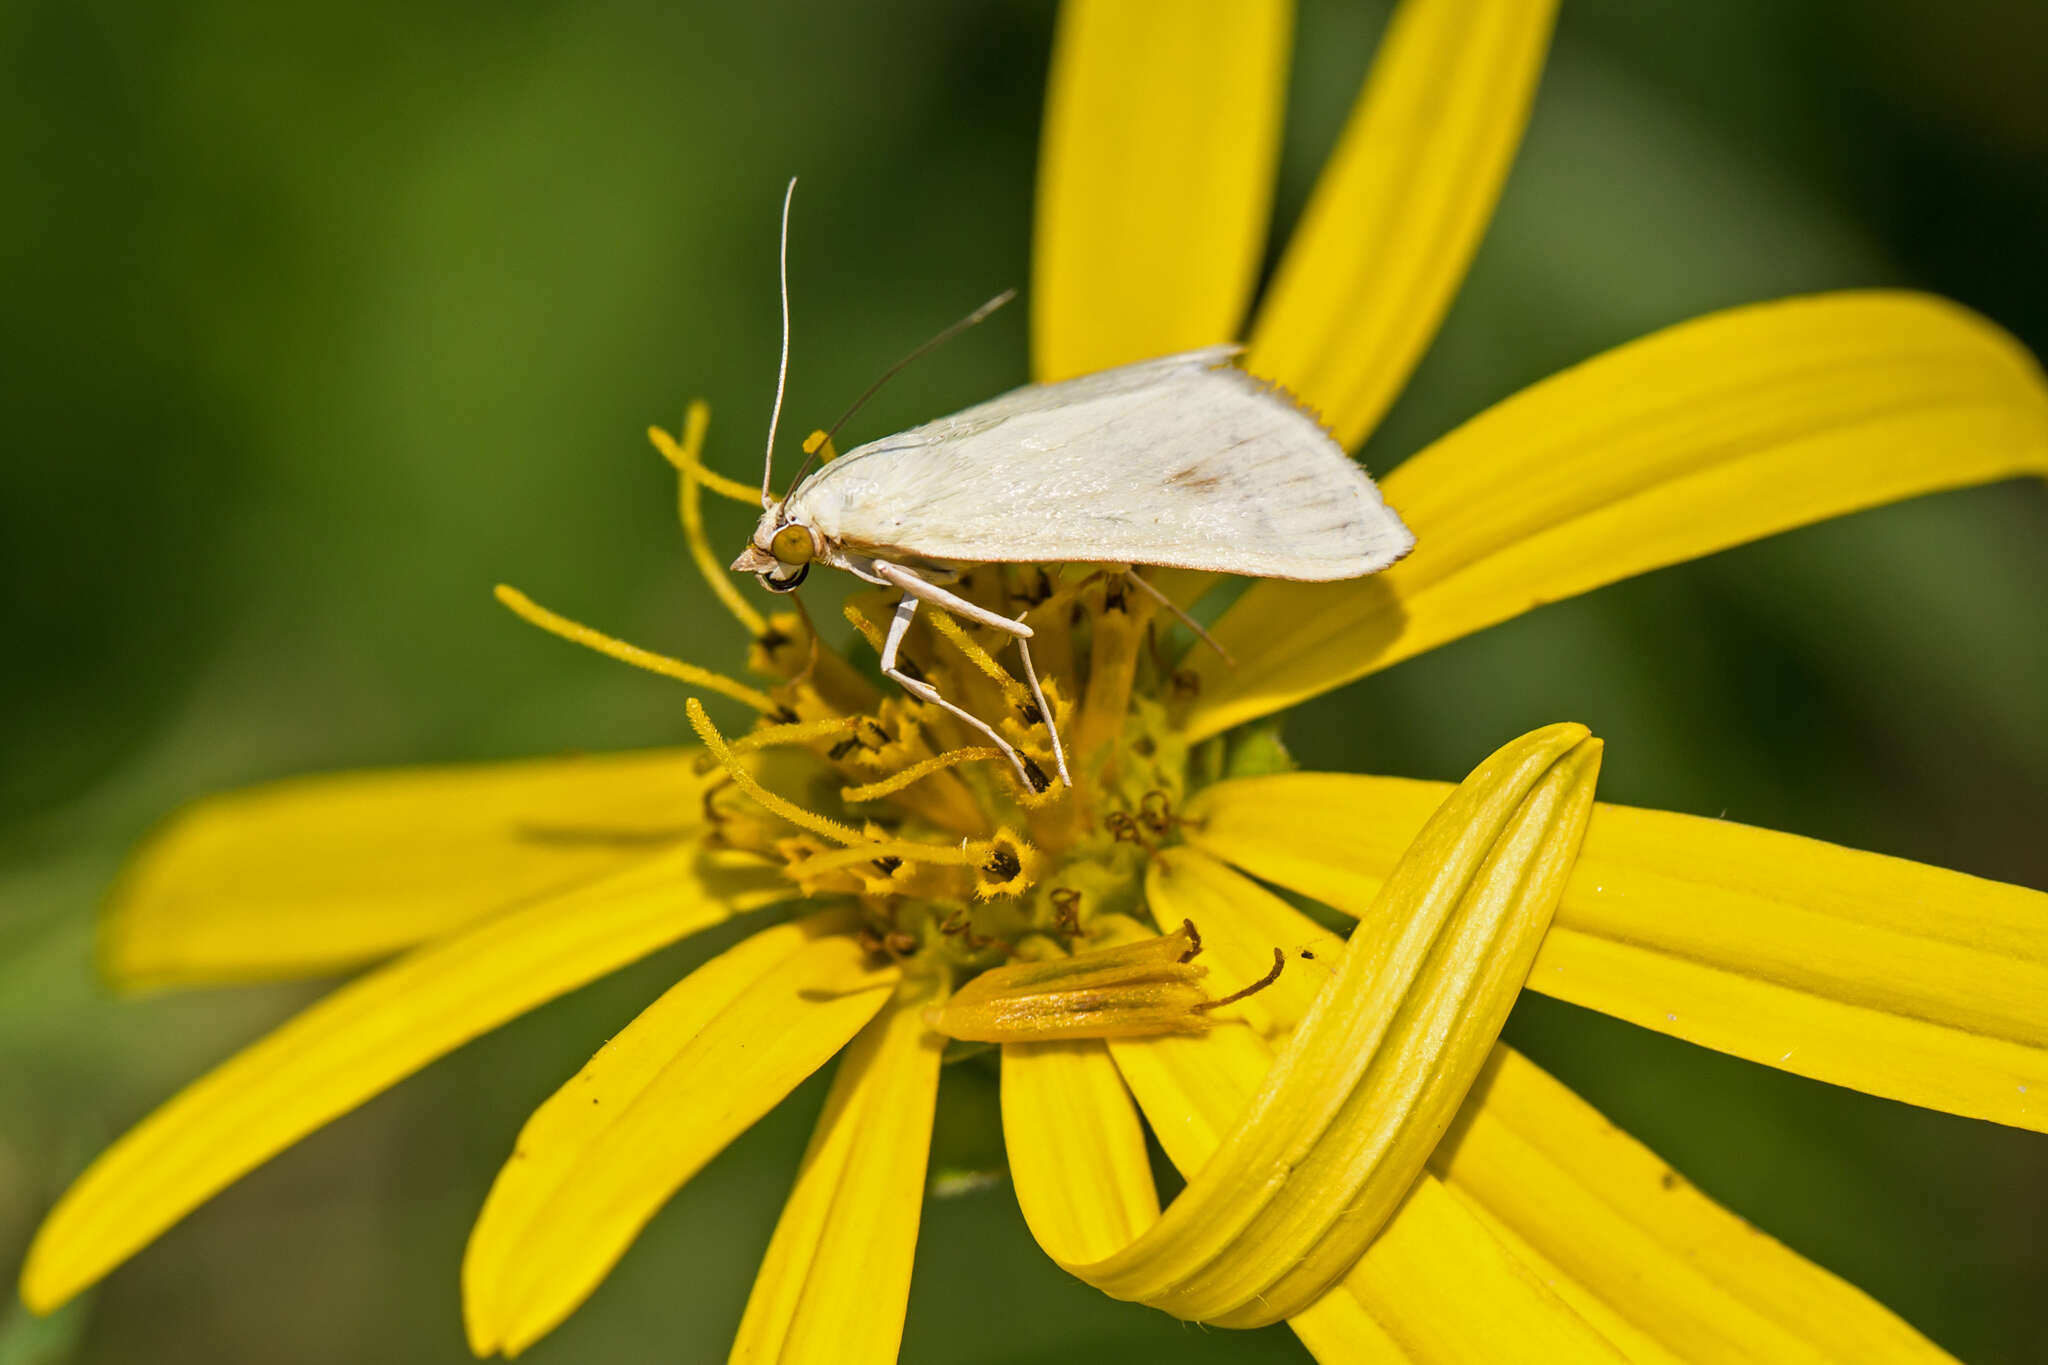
915,586
924,691
1059,753
896,576
906,608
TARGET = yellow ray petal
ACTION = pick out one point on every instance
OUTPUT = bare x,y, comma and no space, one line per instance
678,1095
1155,179
1434,1279
358,1041
1538,1223
1338,1331
1078,1160
1655,1267
1366,1084
1401,205
1726,429
1892,977
320,874
836,1281
1625,1235
1077,1154
557,1144
1336,1136
1435,1286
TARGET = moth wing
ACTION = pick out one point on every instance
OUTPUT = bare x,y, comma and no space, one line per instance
1183,461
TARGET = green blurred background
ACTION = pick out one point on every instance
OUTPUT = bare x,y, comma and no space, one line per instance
320,320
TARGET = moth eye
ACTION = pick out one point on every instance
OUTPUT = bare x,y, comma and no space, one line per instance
791,545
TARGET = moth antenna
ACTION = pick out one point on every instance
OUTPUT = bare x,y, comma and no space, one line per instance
941,339
782,370
931,345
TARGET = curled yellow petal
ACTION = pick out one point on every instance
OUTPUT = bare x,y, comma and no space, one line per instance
320,874
1401,206
835,1283
1338,1132
693,1072
1888,976
1539,1230
1162,131
1719,431
1077,1156
1435,1286
361,1039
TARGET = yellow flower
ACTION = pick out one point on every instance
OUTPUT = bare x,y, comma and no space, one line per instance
1366,1161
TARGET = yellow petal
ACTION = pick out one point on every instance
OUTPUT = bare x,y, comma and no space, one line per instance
358,1041
1077,1159
1443,1286
1338,1331
836,1281
1723,430
1658,1269
1401,205
1340,1130
320,874
557,1141
1330,836
668,1094
1892,977
1364,1089
1621,1230
1540,1233
1155,180
1435,1286
1077,1154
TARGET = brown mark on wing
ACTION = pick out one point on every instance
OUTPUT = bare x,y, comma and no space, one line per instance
1195,480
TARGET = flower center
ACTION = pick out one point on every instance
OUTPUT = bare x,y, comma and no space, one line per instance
861,791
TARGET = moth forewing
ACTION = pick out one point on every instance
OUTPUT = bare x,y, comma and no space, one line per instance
1183,462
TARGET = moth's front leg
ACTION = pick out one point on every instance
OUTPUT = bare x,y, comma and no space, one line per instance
899,625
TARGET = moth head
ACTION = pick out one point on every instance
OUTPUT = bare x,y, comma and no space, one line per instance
780,553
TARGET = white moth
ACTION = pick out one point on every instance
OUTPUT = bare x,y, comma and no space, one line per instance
1183,461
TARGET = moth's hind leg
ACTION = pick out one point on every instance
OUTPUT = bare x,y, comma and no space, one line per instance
1052,729
906,609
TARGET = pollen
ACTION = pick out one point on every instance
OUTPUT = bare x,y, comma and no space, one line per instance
1006,868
